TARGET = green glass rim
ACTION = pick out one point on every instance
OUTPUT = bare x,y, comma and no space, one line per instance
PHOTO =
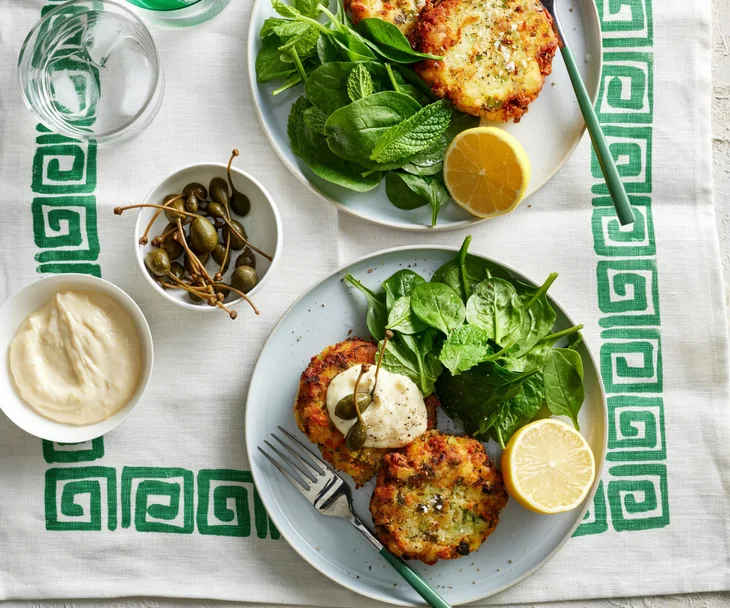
163,10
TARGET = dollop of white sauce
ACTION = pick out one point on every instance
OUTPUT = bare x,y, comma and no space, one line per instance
77,360
397,414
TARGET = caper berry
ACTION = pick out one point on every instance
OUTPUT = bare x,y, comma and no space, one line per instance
191,203
238,234
215,210
157,262
219,253
177,270
240,203
345,408
173,248
170,214
203,257
218,191
247,258
244,278
203,236
197,189
356,436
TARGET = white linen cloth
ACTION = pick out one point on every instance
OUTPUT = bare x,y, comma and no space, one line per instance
652,302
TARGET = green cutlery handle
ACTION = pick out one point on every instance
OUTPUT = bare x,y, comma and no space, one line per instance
608,166
414,580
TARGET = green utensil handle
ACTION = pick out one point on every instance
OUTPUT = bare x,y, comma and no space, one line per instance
414,580
608,166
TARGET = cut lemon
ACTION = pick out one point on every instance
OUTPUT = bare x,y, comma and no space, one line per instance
486,171
548,467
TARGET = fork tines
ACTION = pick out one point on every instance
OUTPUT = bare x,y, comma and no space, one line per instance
306,471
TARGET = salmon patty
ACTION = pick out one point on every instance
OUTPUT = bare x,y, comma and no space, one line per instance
496,54
437,498
310,409
403,13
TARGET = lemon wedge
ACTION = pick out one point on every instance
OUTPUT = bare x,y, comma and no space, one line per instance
486,171
548,467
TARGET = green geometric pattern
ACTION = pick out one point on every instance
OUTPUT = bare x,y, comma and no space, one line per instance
633,495
224,505
73,452
81,498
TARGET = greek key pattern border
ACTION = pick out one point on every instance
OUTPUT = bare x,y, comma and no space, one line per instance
633,494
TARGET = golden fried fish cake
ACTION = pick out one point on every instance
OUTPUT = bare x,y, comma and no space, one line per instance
496,54
403,13
310,408
437,498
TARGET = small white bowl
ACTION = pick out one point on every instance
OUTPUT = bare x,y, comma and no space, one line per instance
28,300
262,224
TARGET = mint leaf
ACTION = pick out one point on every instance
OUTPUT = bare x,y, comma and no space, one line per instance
315,120
359,83
413,135
285,10
465,347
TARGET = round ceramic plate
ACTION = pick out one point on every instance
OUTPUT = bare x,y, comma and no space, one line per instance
328,313
550,131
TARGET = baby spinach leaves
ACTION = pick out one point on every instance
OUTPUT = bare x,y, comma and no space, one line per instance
408,191
389,41
484,341
377,317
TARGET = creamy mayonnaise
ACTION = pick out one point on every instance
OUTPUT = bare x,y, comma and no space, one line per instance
397,414
77,360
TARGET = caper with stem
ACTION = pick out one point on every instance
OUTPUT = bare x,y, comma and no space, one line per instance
157,262
244,278
197,189
239,202
203,236
215,210
177,270
357,434
247,258
191,203
218,191
172,213
345,407
237,232
219,255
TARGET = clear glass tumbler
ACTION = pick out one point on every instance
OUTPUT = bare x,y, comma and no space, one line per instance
89,70
180,13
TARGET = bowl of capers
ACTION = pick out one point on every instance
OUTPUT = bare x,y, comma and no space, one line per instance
207,237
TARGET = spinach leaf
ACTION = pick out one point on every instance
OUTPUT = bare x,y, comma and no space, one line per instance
326,87
519,410
476,396
400,284
283,28
497,309
464,348
563,377
400,194
415,134
315,120
327,50
474,271
359,83
377,317
312,148
353,46
402,319
575,340
539,315
307,7
408,191
408,76
389,41
429,368
438,305
354,130
399,359
428,162
269,65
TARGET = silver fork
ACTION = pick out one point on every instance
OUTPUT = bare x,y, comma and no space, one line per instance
330,495
603,154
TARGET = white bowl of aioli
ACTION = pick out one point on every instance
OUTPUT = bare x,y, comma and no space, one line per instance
27,301
263,227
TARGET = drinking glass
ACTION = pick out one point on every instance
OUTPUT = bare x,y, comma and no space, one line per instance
89,70
180,13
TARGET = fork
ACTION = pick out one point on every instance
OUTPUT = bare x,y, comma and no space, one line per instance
605,160
331,495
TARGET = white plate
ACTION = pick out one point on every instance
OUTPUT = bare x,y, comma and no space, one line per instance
550,131
26,301
324,315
